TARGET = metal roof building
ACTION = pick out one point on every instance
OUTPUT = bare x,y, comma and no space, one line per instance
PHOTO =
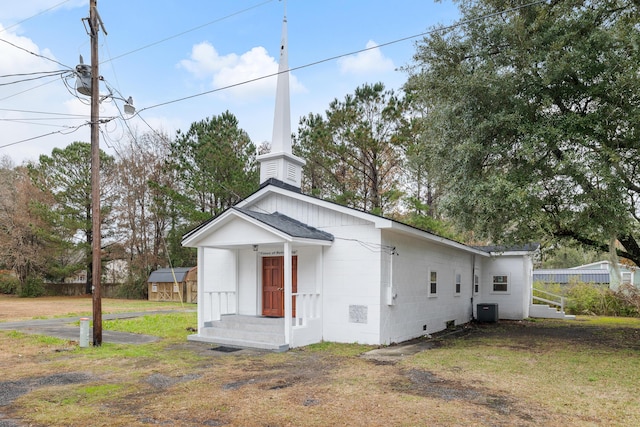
566,276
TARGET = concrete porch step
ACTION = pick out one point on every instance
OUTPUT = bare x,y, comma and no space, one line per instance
239,343
244,331
248,323
544,311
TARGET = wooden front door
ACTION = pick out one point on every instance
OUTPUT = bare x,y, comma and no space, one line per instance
273,285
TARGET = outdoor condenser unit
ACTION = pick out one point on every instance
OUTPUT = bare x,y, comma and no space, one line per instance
487,312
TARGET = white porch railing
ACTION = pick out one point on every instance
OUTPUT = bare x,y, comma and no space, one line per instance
307,307
559,300
221,302
224,302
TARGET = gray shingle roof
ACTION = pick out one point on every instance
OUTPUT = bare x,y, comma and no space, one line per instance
164,275
288,225
527,247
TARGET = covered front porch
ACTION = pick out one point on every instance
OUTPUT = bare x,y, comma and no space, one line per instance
260,281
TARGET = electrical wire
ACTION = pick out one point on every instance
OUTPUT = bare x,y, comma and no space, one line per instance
27,90
73,129
33,16
35,54
188,31
44,112
433,31
32,74
321,61
55,74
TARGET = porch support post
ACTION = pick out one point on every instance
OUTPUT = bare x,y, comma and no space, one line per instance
200,296
288,293
236,255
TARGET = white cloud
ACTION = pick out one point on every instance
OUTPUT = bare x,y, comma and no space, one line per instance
227,70
368,61
25,104
18,59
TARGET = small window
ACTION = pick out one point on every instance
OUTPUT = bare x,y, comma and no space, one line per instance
476,283
433,283
458,283
626,278
500,283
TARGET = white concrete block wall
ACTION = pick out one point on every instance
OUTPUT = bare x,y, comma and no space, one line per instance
351,285
219,273
307,267
414,307
248,276
219,269
514,303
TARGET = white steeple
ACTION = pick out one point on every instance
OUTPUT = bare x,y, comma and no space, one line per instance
280,163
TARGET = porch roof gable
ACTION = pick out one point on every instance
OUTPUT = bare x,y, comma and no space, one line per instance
256,227
288,225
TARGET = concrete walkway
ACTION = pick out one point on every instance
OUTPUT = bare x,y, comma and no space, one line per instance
65,329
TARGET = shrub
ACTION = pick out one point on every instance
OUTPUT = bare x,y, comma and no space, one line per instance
133,289
32,287
9,284
629,297
600,301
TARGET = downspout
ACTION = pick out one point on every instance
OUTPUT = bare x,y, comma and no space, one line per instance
473,281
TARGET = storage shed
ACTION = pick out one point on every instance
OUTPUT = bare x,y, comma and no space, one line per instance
177,284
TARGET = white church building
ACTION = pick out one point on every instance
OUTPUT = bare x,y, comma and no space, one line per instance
282,269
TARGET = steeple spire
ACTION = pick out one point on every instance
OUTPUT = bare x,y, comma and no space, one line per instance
281,140
280,164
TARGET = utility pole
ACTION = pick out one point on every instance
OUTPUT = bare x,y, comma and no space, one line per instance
96,263
88,84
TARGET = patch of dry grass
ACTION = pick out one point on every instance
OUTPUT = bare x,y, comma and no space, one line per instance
15,308
512,373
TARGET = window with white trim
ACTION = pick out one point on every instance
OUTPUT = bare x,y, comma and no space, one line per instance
458,284
627,278
476,283
500,283
433,283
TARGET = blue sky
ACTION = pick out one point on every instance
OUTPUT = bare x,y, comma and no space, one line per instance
160,51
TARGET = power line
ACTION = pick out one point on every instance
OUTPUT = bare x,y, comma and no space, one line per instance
188,31
43,112
311,64
73,129
57,73
111,59
436,30
27,90
35,54
32,74
33,16
31,119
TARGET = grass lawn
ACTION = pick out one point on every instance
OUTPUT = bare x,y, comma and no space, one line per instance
529,373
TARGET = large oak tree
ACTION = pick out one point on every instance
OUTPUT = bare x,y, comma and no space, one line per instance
534,119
